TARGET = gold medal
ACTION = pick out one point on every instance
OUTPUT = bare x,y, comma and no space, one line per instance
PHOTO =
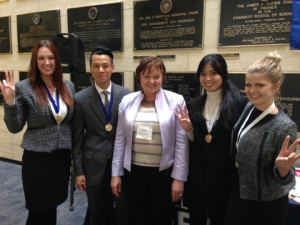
108,127
58,118
208,138
297,199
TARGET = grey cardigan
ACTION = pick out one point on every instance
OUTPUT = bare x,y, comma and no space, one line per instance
43,134
258,149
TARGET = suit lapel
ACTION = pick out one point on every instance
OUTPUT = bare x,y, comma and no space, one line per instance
116,102
95,105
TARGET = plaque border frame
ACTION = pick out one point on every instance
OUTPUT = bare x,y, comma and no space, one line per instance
10,39
59,25
122,22
239,46
171,49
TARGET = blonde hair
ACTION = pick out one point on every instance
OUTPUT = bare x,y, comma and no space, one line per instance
269,66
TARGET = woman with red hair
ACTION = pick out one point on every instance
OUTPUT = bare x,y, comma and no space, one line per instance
45,102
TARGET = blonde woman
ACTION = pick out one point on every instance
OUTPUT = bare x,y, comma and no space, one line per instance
264,140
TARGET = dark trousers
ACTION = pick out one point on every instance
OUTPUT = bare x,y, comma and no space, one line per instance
47,217
204,202
251,212
100,201
121,209
149,195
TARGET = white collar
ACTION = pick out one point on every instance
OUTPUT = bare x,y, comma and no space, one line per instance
99,89
214,96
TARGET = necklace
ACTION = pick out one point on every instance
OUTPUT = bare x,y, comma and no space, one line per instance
144,101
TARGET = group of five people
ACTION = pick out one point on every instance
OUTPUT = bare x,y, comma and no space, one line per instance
135,154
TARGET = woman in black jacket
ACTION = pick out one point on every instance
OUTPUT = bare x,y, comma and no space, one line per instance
208,124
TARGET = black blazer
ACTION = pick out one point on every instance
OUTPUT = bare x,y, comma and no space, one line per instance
211,164
92,144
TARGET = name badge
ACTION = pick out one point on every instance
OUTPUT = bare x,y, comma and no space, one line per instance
144,132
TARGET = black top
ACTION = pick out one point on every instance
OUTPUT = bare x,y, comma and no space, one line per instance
211,163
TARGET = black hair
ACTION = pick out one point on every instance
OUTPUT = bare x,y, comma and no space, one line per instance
102,51
228,90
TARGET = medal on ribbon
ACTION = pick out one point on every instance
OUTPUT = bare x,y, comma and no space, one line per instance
210,123
108,127
57,117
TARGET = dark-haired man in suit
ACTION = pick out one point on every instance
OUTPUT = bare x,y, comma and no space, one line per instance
93,133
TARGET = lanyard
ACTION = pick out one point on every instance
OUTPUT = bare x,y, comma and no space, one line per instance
56,107
259,118
107,114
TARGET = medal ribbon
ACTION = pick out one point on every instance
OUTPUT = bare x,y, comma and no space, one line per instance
210,123
56,107
107,114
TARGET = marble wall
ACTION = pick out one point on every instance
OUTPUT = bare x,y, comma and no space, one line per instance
185,61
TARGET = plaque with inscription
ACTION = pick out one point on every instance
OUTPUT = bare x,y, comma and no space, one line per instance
2,77
238,79
168,24
5,35
185,84
23,75
289,99
255,22
99,25
84,80
36,26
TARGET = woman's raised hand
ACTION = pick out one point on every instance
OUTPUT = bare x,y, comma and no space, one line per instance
7,87
184,119
287,157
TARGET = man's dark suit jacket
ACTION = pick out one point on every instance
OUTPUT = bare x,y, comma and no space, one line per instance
92,144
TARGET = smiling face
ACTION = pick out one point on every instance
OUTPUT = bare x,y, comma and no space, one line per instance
151,81
210,79
260,90
101,69
45,62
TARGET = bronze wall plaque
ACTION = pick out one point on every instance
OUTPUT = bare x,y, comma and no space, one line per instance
185,84
36,26
168,24
255,22
5,35
289,91
83,80
100,25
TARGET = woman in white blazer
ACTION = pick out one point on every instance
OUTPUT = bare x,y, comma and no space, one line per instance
151,148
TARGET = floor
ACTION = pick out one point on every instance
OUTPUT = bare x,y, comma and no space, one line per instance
12,203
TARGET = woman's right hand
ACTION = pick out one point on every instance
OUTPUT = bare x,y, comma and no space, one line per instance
116,185
184,119
286,158
8,88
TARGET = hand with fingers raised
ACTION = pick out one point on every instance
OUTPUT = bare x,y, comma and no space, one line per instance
7,87
286,158
184,119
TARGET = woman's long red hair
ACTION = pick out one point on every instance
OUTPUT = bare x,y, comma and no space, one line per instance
36,81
